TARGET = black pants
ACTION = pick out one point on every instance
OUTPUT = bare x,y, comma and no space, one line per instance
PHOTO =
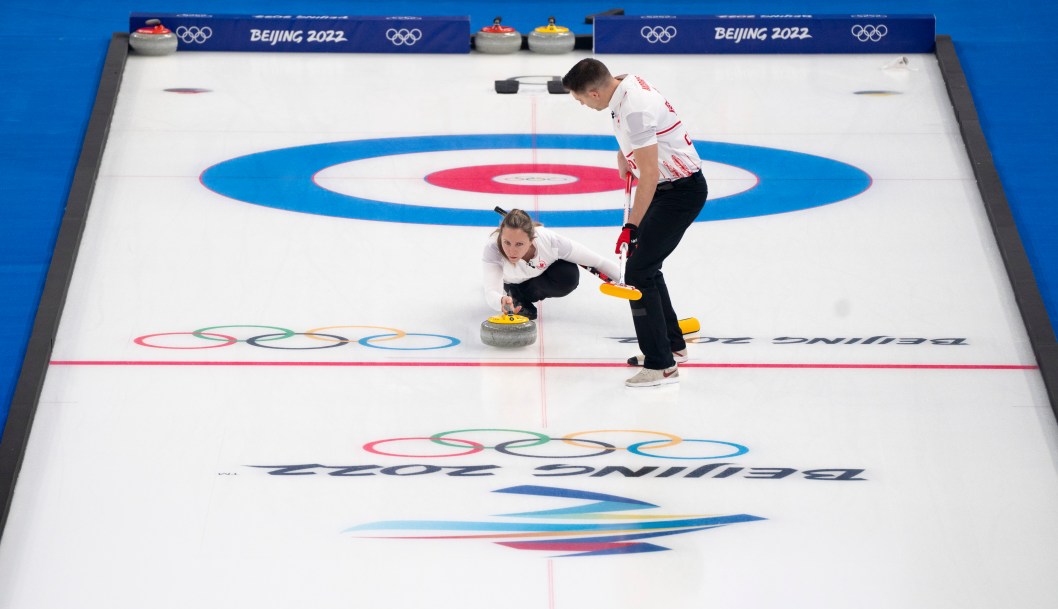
675,206
561,278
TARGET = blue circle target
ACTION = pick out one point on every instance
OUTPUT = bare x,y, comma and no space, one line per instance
283,179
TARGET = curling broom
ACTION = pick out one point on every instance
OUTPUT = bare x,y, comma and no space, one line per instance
620,289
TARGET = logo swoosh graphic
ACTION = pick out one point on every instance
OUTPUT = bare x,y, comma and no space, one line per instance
595,530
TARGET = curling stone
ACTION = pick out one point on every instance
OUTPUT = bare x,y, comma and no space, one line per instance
498,39
508,331
551,39
155,39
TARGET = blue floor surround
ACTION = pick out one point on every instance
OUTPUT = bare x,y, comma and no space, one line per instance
51,56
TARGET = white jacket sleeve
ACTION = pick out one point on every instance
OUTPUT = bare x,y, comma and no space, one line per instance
577,253
492,277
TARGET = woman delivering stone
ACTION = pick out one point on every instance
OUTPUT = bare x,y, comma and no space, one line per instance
524,263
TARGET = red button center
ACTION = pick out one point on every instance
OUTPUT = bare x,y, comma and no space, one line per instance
528,179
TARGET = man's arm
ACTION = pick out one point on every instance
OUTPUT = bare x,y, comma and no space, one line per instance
646,159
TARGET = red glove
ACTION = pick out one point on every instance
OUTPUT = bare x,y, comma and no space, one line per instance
630,237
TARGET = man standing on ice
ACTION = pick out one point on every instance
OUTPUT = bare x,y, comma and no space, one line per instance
656,148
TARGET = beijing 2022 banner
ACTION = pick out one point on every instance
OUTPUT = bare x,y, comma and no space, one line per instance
765,34
314,33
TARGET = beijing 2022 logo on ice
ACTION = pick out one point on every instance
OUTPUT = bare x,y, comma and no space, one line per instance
433,455
596,524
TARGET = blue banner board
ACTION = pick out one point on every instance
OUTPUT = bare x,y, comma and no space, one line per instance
765,34
314,33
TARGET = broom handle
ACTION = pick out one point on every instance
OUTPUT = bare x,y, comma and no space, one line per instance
628,203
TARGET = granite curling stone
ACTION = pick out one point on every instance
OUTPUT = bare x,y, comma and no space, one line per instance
508,331
498,39
155,39
551,39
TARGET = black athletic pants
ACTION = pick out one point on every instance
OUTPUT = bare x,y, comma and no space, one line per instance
561,278
675,206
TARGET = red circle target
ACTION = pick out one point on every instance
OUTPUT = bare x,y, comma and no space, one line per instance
529,179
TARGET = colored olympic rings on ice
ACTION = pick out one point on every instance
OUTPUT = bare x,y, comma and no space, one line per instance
325,335
456,439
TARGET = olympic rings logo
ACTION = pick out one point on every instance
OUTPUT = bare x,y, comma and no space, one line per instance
194,34
278,338
658,34
869,33
456,444
403,36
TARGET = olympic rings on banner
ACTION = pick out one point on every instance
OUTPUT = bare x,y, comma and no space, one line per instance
194,34
869,33
514,448
658,34
270,340
403,36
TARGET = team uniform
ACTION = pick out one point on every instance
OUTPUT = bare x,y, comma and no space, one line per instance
552,272
643,117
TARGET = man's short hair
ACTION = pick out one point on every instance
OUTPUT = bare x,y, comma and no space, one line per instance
586,75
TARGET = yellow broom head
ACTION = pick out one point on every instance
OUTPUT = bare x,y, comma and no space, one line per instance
690,325
620,290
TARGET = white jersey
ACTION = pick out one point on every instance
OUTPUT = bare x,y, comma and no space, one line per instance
641,117
550,246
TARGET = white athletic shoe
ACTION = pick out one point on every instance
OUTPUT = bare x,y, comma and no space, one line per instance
679,356
652,378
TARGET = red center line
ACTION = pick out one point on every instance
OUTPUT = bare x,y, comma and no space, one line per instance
543,364
532,130
550,584
543,373
539,323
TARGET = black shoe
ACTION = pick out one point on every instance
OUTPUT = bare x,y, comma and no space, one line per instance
678,356
528,309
